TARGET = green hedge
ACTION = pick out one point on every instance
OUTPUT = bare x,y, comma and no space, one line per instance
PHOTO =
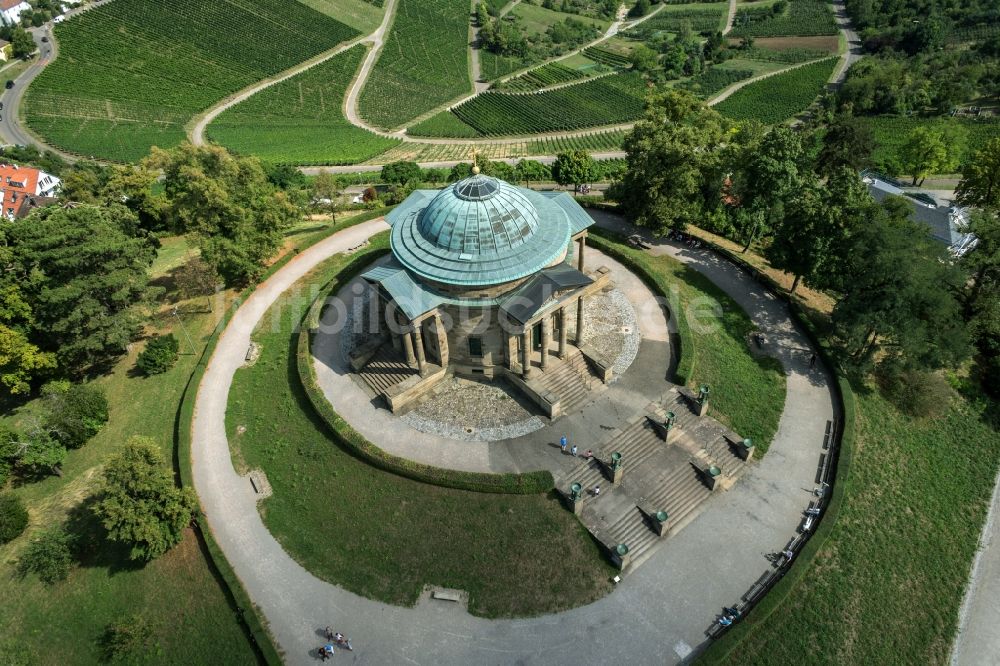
522,484
606,241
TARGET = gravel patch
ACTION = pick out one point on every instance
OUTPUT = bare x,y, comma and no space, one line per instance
472,411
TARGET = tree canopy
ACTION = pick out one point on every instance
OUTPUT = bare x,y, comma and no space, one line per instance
229,203
138,502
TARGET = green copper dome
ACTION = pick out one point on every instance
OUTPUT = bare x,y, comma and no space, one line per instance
479,231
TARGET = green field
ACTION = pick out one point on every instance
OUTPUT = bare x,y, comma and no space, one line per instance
444,124
801,18
516,555
713,80
131,73
596,142
702,17
605,100
551,74
891,133
423,64
300,120
779,97
886,586
362,15
537,19
177,594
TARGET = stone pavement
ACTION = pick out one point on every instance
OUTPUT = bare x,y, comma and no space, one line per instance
659,614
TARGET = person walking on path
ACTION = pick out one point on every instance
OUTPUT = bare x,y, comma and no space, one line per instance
573,451
563,443
812,361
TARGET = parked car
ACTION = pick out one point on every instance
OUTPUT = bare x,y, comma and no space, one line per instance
45,39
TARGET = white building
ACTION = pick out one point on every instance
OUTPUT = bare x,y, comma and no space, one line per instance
10,11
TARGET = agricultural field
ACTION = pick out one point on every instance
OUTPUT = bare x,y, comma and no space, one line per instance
779,97
443,124
537,19
606,100
301,120
423,64
551,74
891,133
131,73
493,66
783,56
362,15
596,142
802,17
713,80
702,17
607,57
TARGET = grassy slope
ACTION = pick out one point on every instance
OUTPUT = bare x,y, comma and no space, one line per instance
177,593
516,555
886,587
537,19
361,15
300,120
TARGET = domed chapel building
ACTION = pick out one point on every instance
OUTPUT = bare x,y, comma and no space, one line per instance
484,280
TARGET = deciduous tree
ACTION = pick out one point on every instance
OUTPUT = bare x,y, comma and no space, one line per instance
980,184
929,150
139,503
575,168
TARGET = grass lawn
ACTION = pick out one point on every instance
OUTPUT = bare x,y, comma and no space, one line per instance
515,555
177,594
748,394
886,586
361,15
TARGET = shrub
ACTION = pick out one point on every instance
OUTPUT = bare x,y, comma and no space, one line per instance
126,637
48,556
75,412
914,392
159,355
13,517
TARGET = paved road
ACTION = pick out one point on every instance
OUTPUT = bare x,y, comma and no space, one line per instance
10,127
854,51
978,640
657,615
447,164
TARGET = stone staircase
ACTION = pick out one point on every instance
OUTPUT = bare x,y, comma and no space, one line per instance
385,369
657,476
570,379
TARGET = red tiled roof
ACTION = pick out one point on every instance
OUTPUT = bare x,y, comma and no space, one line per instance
9,4
16,183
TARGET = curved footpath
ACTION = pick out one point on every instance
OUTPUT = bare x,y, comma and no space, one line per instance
658,613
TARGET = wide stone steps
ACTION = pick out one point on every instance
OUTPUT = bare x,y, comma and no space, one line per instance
632,530
386,369
570,379
725,457
680,494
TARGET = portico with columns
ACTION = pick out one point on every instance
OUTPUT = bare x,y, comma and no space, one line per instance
481,281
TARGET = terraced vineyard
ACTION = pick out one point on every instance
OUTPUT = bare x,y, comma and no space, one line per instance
597,142
300,120
714,80
802,18
542,77
701,17
779,97
424,62
607,57
131,73
444,124
606,100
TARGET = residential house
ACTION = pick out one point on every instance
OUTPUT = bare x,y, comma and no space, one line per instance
19,182
6,50
945,221
10,11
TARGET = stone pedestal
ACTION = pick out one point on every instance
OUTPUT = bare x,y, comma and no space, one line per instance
621,557
659,523
575,498
712,476
744,446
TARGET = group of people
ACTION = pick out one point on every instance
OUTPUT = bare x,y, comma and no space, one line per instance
335,639
682,237
564,443
729,615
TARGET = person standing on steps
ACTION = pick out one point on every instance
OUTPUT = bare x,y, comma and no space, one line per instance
563,443
573,451
597,490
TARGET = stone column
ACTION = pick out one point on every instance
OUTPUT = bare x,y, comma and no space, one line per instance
563,334
579,259
526,352
546,324
373,313
411,358
579,321
442,340
510,349
418,346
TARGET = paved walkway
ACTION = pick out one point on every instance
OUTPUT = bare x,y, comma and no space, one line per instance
658,614
978,641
